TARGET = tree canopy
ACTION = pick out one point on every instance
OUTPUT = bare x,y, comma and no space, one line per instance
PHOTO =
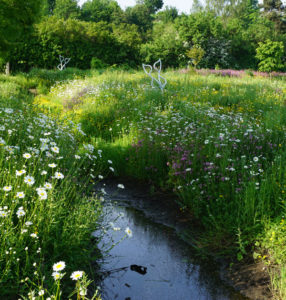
16,17
229,33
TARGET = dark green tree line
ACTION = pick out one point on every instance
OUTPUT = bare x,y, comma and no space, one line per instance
229,32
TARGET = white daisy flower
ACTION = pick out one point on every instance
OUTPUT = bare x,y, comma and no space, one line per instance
20,173
27,155
57,275
30,180
53,165
59,175
128,232
59,266
121,186
20,195
43,194
7,188
48,186
3,214
20,212
77,275
55,149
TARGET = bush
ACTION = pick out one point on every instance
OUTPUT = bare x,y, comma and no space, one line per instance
196,54
97,63
270,55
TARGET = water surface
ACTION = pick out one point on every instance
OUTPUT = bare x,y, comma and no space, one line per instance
155,263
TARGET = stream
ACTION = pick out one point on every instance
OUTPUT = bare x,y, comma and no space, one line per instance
155,263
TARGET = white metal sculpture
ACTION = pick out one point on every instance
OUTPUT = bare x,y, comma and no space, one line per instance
160,83
63,63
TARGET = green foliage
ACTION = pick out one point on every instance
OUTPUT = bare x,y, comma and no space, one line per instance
54,37
96,63
169,14
101,10
206,31
228,31
66,9
152,5
166,44
196,54
270,55
16,17
274,10
141,16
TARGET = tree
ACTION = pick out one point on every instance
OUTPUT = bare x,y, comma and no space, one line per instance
232,8
196,6
167,15
165,44
275,11
206,30
67,9
152,5
48,7
101,10
270,5
139,15
16,17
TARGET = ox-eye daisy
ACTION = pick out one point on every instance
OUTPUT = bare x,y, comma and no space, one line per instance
20,173
29,180
76,275
59,266
7,188
59,175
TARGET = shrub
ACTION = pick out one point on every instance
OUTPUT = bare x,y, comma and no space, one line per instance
270,55
196,54
97,63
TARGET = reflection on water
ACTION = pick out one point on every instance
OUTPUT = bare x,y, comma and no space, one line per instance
154,263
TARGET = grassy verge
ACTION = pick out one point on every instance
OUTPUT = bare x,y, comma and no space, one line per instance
218,143
46,214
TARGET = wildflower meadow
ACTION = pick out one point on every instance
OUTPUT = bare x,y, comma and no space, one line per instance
217,143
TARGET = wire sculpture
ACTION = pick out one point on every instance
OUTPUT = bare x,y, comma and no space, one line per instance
160,83
63,62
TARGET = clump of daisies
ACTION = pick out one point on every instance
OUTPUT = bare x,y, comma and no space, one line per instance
81,286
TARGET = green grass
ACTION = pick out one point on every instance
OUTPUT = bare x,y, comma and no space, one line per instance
218,143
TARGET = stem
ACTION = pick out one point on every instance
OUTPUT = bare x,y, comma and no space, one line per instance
58,291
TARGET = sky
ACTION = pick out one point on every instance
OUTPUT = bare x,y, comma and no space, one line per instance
182,5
